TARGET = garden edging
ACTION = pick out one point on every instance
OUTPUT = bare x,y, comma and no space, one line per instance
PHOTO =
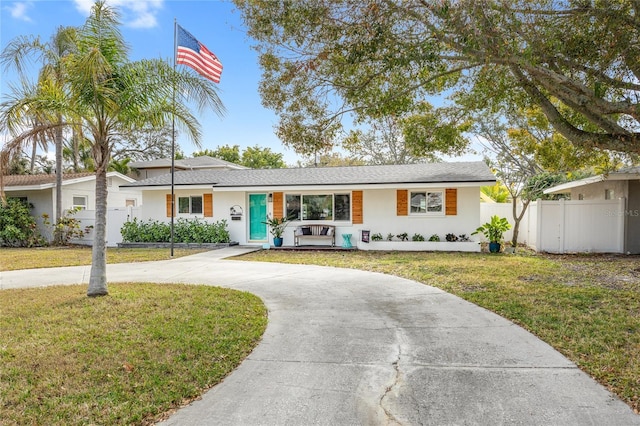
178,245
463,246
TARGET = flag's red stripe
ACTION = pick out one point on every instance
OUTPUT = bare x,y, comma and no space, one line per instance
205,63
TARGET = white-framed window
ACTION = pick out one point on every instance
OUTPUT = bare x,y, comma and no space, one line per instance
325,207
427,202
190,205
292,206
317,207
80,201
609,194
342,207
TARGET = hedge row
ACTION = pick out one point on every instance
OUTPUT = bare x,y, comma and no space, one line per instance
185,231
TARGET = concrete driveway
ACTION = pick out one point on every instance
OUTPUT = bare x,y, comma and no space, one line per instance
346,347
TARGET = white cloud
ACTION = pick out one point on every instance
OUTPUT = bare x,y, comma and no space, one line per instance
134,13
84,6
19,9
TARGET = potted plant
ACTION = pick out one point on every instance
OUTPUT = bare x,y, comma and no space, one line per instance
277,227
493,232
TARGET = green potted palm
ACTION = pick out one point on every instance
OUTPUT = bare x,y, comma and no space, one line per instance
276,228
493,232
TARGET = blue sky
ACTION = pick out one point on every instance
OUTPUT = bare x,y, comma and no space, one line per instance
148,29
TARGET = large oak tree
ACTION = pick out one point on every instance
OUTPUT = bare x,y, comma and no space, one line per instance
326,59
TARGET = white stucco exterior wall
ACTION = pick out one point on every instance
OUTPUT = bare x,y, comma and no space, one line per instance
379,214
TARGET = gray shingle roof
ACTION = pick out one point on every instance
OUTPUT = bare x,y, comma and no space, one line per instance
476,171
203,161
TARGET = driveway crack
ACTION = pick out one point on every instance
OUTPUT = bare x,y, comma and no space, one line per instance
393,387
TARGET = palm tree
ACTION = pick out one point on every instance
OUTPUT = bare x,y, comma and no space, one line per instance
78,152
17,53
107,95
120,166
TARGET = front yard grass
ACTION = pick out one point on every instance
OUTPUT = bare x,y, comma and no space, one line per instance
12,259
129,358
585,306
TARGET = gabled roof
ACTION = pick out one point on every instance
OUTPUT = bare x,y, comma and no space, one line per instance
457,172
28,180
623,174
202,162
43,181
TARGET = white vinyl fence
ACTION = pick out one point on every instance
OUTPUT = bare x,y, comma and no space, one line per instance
116,217
566,226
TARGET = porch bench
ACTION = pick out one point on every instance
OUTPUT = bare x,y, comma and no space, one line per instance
316,232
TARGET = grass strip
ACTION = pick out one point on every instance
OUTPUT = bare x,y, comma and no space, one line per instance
12,259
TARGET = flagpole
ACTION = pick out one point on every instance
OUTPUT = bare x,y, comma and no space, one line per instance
173,133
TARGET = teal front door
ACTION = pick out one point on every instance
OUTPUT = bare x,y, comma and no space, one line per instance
257,215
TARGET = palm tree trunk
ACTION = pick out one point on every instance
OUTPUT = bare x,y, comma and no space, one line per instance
34,150
75,147
57,237
98,276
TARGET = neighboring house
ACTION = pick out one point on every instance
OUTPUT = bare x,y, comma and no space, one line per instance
418,198
78,190
612,202
149,169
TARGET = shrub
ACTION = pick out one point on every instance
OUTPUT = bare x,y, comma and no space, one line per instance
417,237
434,237
389,236
403,237
184,231
451,237
377,237
67,227
17,227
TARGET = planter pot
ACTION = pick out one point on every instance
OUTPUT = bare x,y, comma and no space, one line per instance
277,241
494,247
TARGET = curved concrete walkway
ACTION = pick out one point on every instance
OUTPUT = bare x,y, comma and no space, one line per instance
346,347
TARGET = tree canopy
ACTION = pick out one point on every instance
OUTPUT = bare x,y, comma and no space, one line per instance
254,157
322,61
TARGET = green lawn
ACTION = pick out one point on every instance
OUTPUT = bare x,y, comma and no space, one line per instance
127,358
587,307
50,257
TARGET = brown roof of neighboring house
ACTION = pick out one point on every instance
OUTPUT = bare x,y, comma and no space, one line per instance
28,180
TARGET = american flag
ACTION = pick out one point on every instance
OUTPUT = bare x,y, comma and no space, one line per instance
194,54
